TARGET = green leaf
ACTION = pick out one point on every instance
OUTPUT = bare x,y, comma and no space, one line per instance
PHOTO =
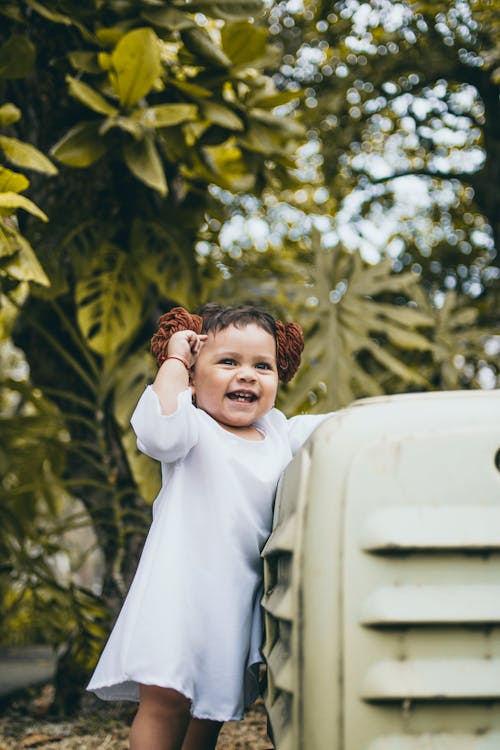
25,266
191,89
12,181
127,124
24,155
91,98
144,469
10,202
226,9
221,115
9,114
261,139
135,373
143,160
269,100
166,115
395,365
201,45
136,65
168,18
289,125
85,61
109,300
230,170
243,42
50,15
17,57
81,146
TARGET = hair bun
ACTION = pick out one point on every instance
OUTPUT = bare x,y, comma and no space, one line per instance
177,319
289,347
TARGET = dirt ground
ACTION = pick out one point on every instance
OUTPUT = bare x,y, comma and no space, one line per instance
25,724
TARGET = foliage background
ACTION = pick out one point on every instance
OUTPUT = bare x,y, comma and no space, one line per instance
336,162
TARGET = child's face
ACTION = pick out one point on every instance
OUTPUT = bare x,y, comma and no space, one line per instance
235,378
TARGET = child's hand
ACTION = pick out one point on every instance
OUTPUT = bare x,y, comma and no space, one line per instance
186,344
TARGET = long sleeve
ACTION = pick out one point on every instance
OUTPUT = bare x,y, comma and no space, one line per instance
165,437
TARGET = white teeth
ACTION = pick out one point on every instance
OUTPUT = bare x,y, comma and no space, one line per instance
241,396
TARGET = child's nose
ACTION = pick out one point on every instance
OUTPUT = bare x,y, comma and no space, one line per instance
246,373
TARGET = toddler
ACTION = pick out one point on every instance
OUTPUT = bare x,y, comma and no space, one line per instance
187,641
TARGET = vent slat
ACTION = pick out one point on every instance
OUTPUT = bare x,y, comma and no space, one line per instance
440,528
282,539
280,664
394,605
279,716
436,679
279,603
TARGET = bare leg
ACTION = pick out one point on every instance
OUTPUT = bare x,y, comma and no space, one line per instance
202,735
162,720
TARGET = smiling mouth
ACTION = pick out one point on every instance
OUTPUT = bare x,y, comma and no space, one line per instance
242,396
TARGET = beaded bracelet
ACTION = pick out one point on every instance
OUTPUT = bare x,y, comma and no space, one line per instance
179,359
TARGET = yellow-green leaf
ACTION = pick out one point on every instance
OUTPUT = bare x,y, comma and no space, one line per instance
24,155
168,18
90,97
201,45
143,160
128,124
17,57
88,62
25,266
166,115
221,115
12,181
243,42
9,113
136,65
226,9
81,146
51,15
109,300
10,202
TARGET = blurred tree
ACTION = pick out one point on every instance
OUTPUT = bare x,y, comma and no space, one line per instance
403,101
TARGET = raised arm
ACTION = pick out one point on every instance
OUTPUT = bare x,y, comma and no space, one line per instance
173,375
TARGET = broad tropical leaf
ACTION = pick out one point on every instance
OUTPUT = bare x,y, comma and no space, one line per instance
109,300
135,374
351,337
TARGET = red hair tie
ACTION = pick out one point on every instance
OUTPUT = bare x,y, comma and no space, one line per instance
177,319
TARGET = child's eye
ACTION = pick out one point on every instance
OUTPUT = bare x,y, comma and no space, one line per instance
227,361
263,366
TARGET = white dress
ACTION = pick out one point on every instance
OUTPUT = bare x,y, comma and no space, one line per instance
191,620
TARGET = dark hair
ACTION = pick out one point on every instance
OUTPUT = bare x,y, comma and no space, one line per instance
219,317
288,336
